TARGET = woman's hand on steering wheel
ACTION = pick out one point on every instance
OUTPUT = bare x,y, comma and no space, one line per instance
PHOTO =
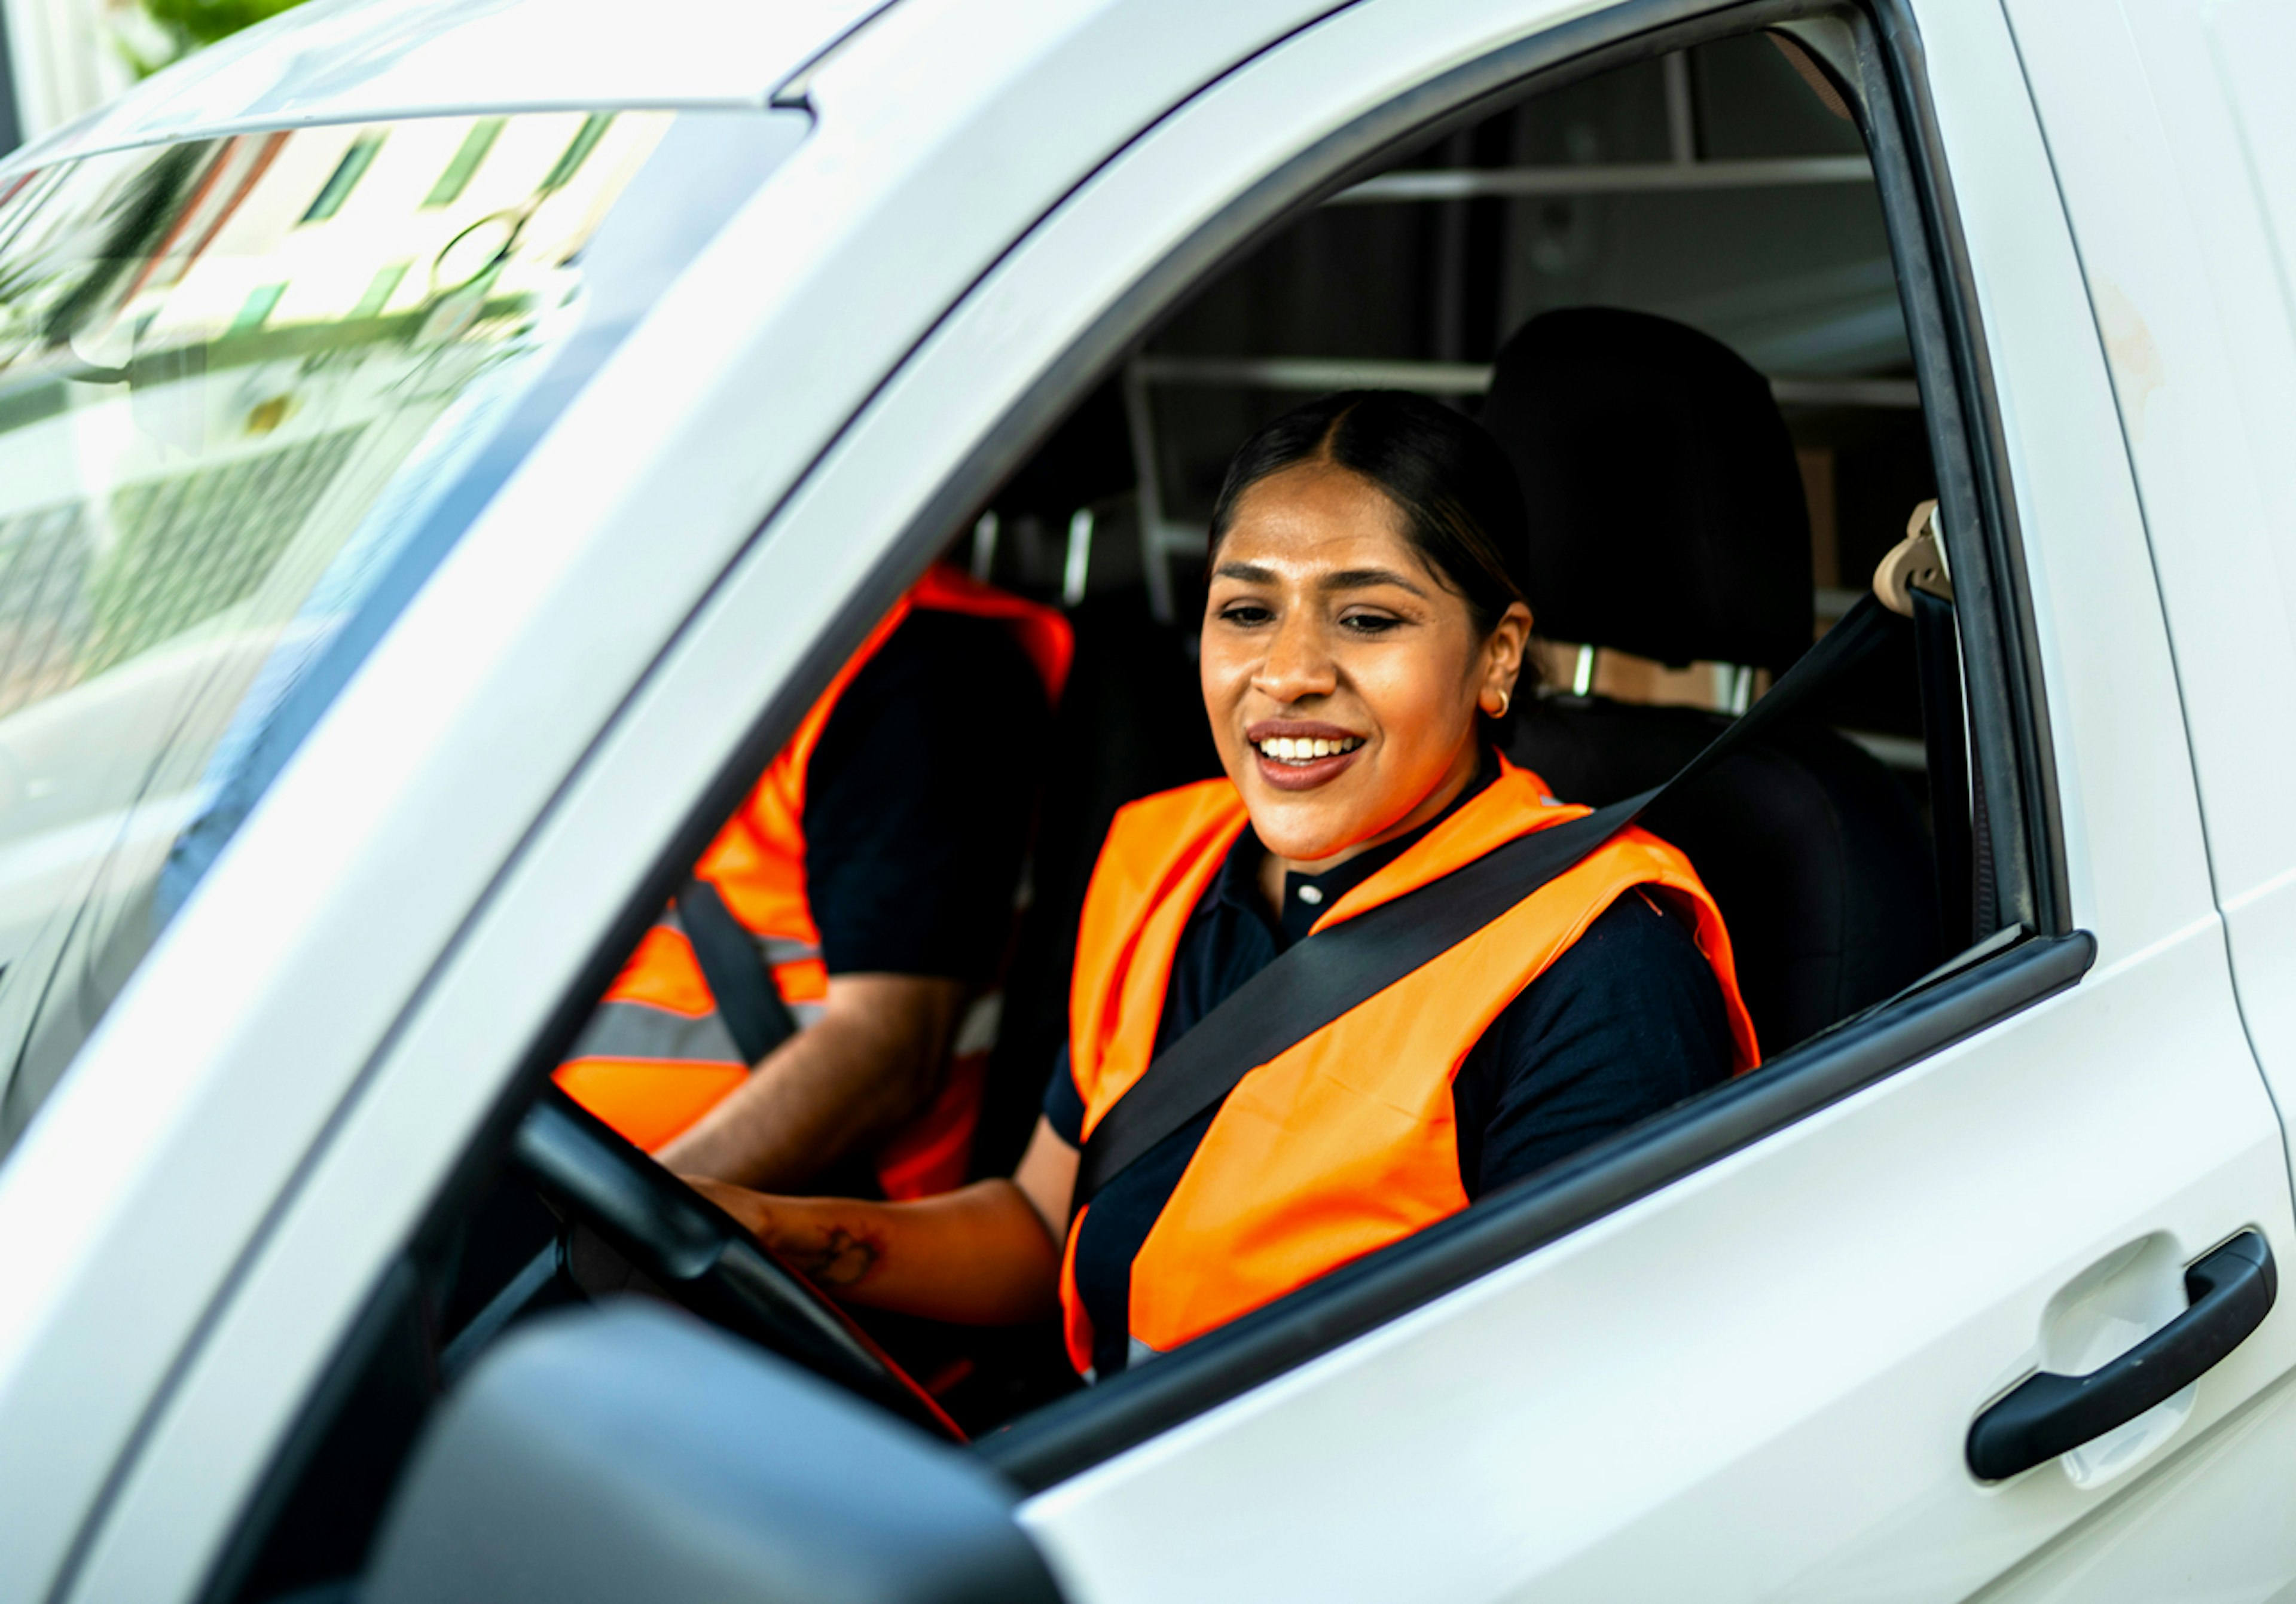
811,1235
714,1265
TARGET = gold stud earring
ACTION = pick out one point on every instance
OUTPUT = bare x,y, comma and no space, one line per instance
1505,702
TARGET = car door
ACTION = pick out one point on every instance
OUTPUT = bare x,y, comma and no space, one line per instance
1757,1381
1741,1355
1737,1357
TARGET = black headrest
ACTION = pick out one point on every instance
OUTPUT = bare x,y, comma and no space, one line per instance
1666,511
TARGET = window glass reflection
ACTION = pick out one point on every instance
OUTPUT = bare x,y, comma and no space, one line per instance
234,376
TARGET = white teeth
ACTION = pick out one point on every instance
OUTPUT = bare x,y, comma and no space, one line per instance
1286,749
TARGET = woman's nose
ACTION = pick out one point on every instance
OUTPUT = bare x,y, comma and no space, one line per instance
1297,664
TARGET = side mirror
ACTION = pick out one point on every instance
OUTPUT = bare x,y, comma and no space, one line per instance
629,1452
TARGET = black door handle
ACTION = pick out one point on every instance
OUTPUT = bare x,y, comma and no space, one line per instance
2231,1291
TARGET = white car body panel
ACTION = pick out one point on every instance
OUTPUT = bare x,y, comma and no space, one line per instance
358,60
196,1218
2199,321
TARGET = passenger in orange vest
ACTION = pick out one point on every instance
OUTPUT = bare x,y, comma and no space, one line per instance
1366,622
807,1000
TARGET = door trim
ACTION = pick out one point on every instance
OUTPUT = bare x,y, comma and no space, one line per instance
1127,1410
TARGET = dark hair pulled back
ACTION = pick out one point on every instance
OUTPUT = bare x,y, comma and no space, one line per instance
1462,506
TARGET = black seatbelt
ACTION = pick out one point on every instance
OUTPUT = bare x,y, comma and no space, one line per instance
748,999
1326,975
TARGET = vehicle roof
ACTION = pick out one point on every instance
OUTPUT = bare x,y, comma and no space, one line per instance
357,61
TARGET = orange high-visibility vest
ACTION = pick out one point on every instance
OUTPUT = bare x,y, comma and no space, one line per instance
1344,1142
656,1056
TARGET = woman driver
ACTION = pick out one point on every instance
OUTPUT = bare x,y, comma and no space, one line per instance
1364,620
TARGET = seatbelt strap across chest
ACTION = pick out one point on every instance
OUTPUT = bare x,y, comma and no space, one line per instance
748,1001
1321,977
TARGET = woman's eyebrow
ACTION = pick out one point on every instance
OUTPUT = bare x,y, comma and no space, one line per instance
1364,578
1344,579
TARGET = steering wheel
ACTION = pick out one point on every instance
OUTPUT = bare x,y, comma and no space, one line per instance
701,1257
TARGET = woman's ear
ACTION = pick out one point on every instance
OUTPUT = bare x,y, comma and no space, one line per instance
1503,658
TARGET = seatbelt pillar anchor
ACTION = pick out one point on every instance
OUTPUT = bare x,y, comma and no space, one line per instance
1916,562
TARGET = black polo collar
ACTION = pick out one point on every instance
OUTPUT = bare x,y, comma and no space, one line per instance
1308,897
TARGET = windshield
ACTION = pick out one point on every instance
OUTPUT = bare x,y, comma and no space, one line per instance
252,391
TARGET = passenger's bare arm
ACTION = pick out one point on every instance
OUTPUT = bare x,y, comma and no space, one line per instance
837,1087
987,1255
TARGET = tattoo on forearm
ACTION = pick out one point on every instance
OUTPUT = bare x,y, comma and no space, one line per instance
843,1260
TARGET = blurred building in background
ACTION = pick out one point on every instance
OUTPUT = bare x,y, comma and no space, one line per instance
62,60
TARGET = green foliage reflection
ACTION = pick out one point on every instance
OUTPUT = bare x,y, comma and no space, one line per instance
186,25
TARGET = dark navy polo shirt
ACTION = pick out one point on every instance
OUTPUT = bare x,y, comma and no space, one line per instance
1629,1020
918,799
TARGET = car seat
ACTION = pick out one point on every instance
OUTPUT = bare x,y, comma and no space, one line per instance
1130,723
1666,519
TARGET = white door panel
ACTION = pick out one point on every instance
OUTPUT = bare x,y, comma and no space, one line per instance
2186,216
1755,1384
1758,1383
2171,141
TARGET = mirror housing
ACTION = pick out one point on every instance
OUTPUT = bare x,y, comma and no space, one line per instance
626,1451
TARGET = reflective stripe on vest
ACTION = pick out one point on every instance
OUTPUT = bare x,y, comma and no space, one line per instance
1345,1142
655,1056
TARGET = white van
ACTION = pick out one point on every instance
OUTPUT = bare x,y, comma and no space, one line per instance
445,446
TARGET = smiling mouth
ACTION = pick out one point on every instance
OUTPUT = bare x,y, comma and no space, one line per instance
1298,751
